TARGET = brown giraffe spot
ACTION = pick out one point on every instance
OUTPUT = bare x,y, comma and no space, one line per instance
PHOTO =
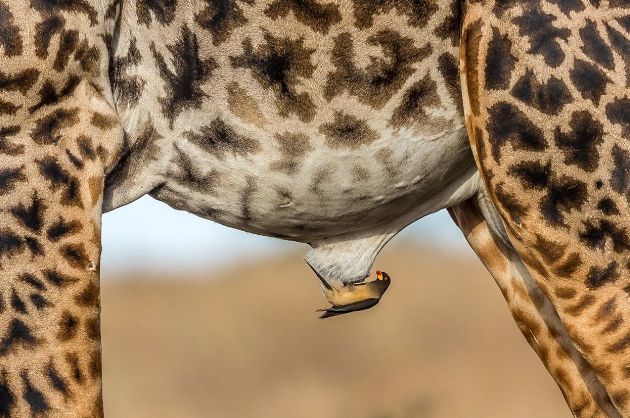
10,37
67,44
449,68
62,228
190,175
7,108
580,145
35,399
607,309
68,326
22,81
586,301
510,203
596,234
58,279
75,369
598,276
17,303
319,17
411,111
6,146
595,47
50,8
10,243
620,176
608,207
247,196
565,292
346,131
59,178
499,61
44,31
162,10
183,84
9,177
86,147
57,382
6,394
618,112
48,94
383,77
103,121
75,255
293,146
244,106
449,28
279,65
620,345
569,266
550,251
548,97
96,188
613,325
221,139
127,88
48,129
18,335
560,193
220,18
538,27
30,216
589,80
88,57
418,12
508,124
568,6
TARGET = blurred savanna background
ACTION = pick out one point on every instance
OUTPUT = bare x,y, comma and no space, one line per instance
204,321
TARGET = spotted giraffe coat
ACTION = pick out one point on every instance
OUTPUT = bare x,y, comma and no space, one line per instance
333,123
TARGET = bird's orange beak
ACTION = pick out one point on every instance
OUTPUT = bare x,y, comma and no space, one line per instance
379,275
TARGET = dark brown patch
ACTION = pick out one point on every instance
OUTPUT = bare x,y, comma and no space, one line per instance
549,97
346,131
499,61
411,111
598,276
319,17
48,129
586,301
589,80
10,37
220,139
508,124
543,35
102,121
383,77
279,65
580,144
75,255
22,81
220,18
68,326
293,146
183,85
162,10
418,12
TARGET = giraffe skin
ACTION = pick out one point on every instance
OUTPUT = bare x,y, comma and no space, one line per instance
546,87
534,314
331,123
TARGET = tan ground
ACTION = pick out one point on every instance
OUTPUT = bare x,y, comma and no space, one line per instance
248,344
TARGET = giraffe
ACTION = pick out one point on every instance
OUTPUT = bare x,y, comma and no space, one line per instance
335,123
546,87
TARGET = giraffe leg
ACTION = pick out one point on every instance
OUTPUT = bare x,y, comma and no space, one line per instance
546,89
535,315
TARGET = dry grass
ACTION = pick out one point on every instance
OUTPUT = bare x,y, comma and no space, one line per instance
248,344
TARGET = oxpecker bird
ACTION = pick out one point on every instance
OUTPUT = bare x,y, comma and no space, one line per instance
353,296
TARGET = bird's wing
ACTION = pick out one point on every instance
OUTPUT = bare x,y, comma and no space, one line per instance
352,307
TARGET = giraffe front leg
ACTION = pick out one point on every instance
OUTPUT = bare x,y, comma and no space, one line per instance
534,315
51,182
547,97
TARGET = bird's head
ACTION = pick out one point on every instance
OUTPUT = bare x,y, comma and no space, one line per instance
383,278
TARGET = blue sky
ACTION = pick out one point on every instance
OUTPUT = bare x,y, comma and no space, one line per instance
149,235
